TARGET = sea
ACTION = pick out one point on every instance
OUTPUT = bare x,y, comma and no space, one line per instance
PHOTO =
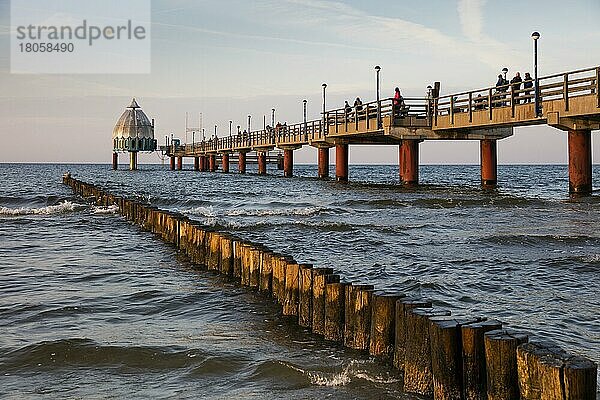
92,307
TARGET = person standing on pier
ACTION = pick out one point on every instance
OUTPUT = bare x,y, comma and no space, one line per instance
357,107
347,110
399,105
516,86
528,84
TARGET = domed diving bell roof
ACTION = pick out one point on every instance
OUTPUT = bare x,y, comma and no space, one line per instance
133,131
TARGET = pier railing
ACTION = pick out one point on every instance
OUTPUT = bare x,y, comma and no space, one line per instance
374,113
563,86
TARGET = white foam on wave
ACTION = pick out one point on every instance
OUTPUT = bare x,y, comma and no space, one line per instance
260,212
112,209
346,375
65,206
202,211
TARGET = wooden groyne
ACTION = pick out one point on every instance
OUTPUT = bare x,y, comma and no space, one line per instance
439,356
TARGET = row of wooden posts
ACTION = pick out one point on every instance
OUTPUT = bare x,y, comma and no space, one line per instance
438,355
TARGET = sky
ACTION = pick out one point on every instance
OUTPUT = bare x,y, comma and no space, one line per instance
229,59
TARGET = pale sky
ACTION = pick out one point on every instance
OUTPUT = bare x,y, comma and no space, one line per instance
231,58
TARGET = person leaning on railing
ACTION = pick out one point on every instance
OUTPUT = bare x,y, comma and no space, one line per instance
516,85
527,84
400,107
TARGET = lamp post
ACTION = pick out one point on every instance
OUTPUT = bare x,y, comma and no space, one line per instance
230,126
272,117
249,118
535,36
324,116
238,129
377,69
305,126
264,122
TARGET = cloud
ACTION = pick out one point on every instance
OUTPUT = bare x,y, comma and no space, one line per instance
470,13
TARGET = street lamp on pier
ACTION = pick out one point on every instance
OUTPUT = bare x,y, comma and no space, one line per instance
272,117
377,70
305,126
230,126
535,36
324,115
249,119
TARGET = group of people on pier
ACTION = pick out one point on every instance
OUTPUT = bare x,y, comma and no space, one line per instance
503,85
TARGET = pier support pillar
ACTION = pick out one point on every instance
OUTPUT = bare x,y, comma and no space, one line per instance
409,162
341,162
323,155
196,163
489,162
212,162
133,160
580,161
179,163
242,162
203,166
288,162
262,162
225,162
115,161
172,163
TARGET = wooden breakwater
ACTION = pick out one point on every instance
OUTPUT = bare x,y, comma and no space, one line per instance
438,355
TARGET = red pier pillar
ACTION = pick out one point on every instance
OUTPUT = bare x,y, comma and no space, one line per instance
172,163
179,163
115,161
196,163
262,162
323,155
288,162
489,162
341,162
212,162
203,166
225,162
580,161
242,162
409,162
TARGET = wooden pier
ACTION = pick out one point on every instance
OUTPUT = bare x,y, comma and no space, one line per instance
568,101
439,356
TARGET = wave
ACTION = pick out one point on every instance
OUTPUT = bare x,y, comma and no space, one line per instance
112,209
77,352
530,240
63,207
258,212
208,212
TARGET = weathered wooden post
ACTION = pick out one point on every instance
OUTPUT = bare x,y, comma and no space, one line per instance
383,324
357,322
227,255
321,277
418,376
305,306
335,306
403,306
254,260
547,372
266,272
501,363
446,356
290,304
473,354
